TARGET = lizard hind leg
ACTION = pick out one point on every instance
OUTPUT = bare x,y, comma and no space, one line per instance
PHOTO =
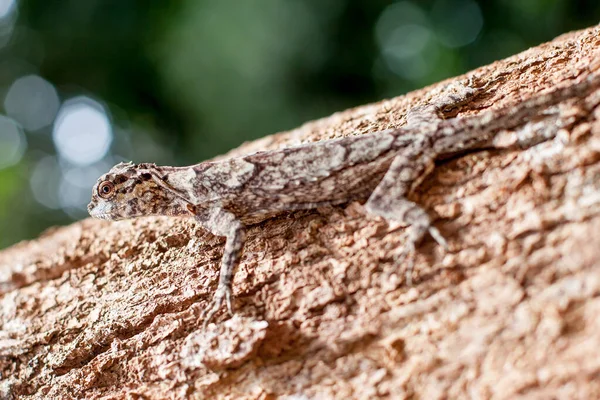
389,201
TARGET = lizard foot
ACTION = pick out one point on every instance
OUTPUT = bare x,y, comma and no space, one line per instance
406,255
410,248
222,293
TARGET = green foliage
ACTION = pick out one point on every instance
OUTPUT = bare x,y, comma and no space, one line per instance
12,181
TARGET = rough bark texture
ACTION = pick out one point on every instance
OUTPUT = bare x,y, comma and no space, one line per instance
105,310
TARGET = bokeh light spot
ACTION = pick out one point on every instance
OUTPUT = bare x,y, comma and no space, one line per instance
82,131
406,41
32,101
6,7
45,180
412,69
12,142
457,22
395,16
75,189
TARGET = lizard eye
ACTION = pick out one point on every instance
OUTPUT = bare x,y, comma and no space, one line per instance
106,189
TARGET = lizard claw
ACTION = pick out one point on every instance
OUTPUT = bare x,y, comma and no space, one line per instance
399,259
216,303
228,302
410,249
437,236
410,263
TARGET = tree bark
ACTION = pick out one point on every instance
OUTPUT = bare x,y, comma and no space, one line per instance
110,310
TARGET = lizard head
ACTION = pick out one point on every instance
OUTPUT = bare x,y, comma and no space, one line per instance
134,190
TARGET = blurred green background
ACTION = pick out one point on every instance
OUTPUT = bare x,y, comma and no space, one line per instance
85,84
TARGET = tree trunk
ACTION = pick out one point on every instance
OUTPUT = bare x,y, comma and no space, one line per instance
110,310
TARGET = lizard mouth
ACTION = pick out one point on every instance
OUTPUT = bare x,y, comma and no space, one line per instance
101,214
104,216
102,211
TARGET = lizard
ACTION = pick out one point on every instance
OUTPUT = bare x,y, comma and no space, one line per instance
383,167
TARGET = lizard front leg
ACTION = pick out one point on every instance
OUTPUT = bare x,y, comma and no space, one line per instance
389,201
223,223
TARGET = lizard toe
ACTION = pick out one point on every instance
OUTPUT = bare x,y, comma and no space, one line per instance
437,236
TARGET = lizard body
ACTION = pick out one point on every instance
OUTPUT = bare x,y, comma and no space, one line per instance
382,167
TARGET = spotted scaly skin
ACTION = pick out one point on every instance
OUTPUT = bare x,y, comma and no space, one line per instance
382,168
